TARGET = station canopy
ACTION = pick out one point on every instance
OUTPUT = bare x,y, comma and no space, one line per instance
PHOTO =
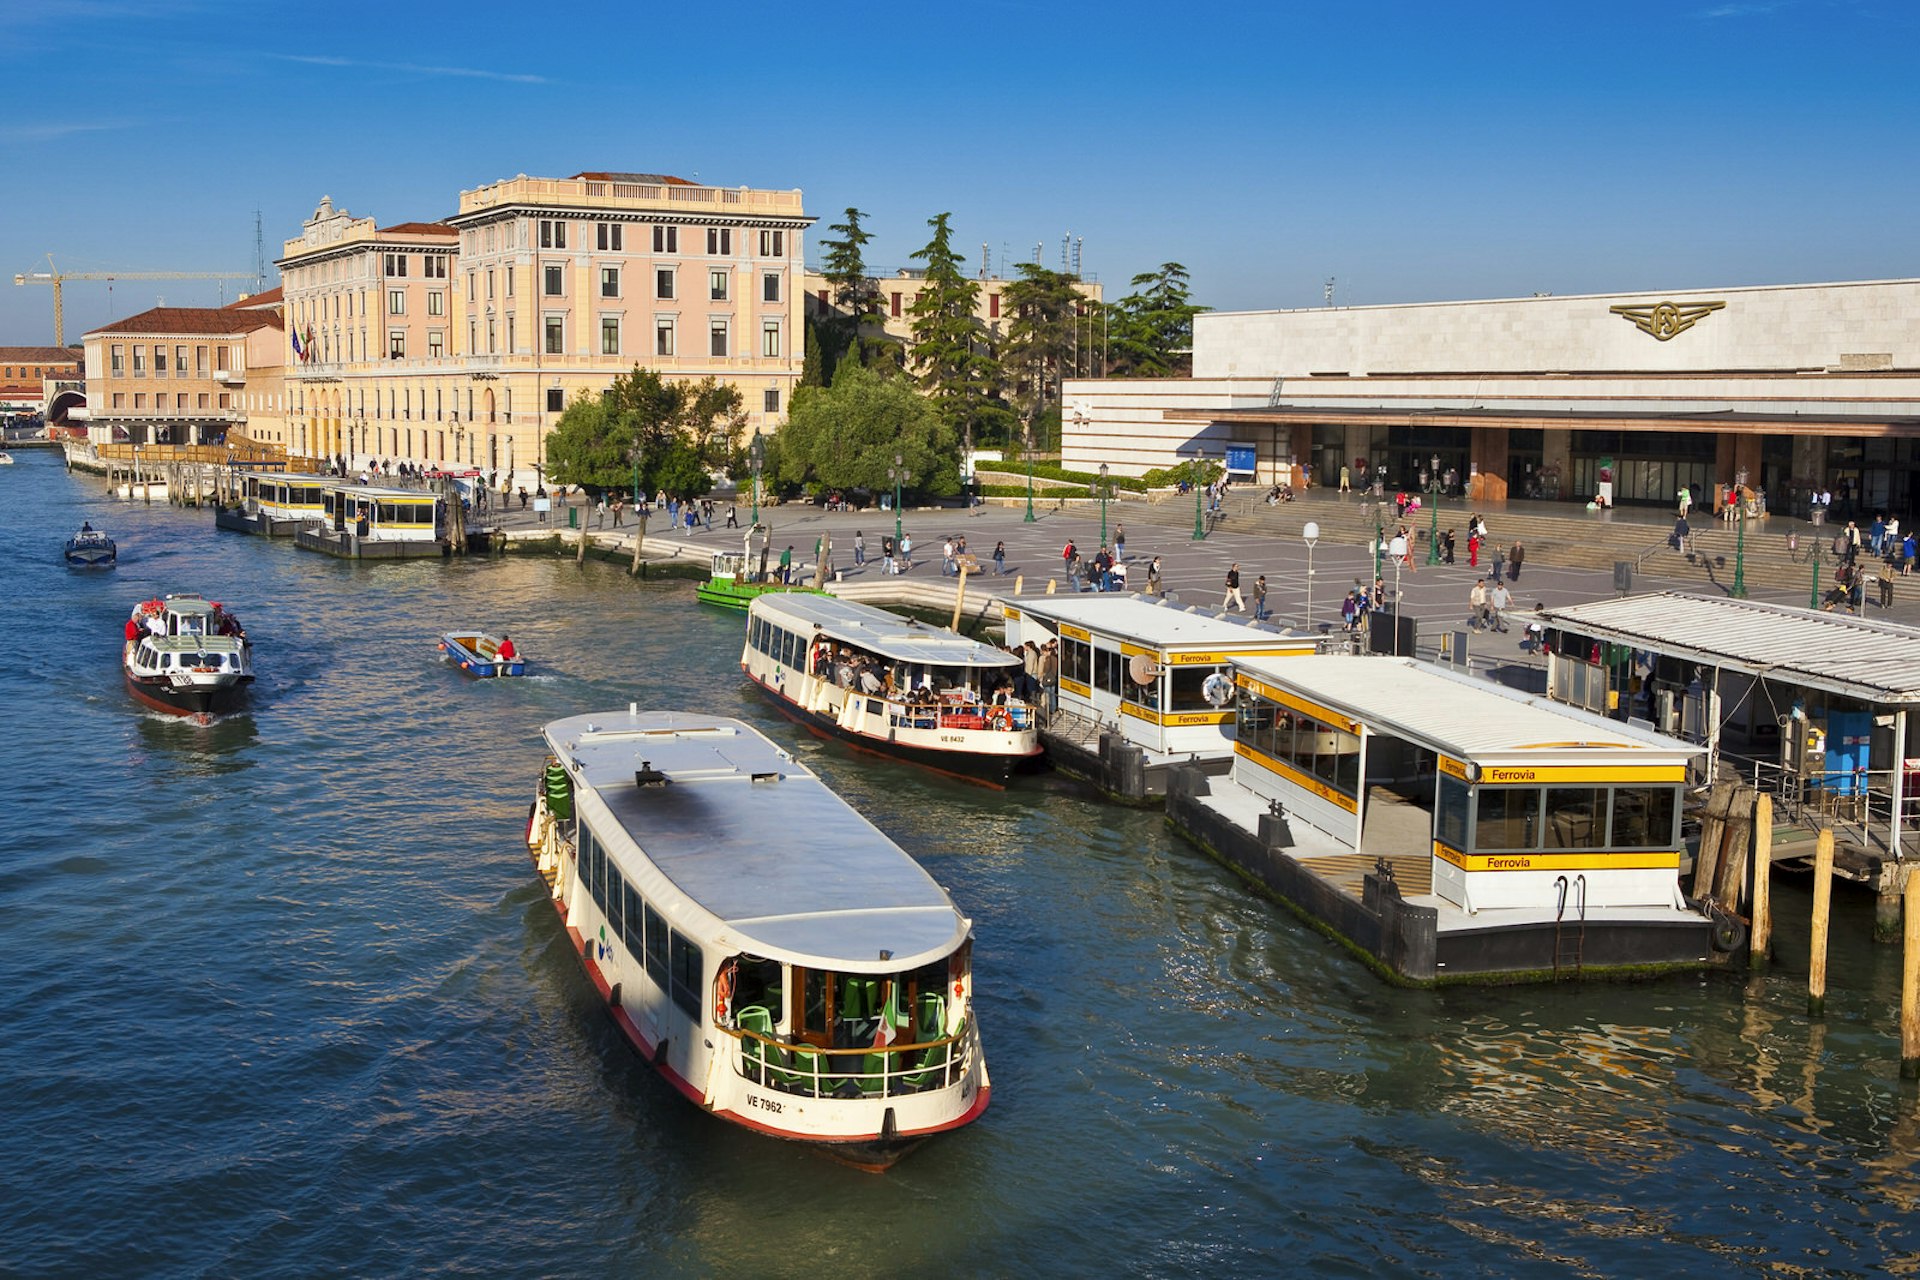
1867,659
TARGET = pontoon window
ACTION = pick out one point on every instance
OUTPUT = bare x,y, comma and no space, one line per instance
1255,724
633,929
687,965
1643,817
1507,818
1187,694
656,947
1450,818
1576,817
1106,670
1141,695
1076,660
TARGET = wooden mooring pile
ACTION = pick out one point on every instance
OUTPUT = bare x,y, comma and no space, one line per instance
1732,879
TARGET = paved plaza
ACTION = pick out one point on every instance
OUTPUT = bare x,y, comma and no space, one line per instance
1195,571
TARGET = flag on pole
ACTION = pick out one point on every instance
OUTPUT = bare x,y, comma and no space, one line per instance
299,352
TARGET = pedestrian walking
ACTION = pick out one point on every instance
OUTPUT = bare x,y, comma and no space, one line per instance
1498,598
786,565
859,547
1120,542
1000,558
1497,564
887,553
1473,548
1477,605
1446,546
1153,577
1686,501
1260,598
1233,596
906,552
1067,554
619,506
733,516
1515,558
600,512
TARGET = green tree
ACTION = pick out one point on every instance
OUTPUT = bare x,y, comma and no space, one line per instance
675,433
1042,338
1151,332
845,267
846,435
949,349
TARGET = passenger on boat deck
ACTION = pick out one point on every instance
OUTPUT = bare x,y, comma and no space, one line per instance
869,682
156,625
133,631
86,526
506,652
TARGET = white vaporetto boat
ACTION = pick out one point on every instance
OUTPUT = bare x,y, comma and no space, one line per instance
892,685
186,657
774,956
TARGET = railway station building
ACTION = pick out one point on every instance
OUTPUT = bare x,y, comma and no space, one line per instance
1783,390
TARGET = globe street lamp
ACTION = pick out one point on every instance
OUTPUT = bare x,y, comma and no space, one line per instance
1433,533
1310,533
897,473
1103,506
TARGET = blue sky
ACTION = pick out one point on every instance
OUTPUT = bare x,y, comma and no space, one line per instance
1411,151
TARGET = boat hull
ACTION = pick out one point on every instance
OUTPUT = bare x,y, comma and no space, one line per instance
989,769
92,557
199,701
726,593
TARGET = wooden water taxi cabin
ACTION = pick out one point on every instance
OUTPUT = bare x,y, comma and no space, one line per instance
362,522
274,504
1816,709
1134,684
1448,828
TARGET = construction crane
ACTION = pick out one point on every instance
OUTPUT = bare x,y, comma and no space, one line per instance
55,276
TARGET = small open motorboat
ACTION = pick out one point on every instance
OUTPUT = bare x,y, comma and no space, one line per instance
6,459
478,654
91,549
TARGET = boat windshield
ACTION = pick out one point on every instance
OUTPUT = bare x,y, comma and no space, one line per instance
821,1033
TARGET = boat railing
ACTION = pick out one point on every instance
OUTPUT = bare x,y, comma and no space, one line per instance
877,1071
1015,717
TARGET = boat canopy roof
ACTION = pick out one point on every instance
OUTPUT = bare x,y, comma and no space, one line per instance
194,643
379,494
1462,716
1152,621
188,606
752,837
879,632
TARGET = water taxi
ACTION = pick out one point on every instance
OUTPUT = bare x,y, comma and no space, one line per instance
91,549
478,654
186,656
892,685
764,947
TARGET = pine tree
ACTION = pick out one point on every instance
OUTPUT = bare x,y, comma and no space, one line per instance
1042,338
854,290
949,351
1152,328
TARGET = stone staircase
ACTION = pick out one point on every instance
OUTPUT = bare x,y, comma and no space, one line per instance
1554,537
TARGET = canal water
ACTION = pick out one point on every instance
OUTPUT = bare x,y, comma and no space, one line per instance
282,996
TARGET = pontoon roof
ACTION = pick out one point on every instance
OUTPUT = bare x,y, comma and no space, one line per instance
1875,661
379,494
294,477
1463,716
792,871
880,632
1144,619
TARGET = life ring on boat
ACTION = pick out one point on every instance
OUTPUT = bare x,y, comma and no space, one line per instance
999,719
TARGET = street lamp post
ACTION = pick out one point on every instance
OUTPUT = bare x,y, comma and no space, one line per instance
1199,519
1029,519
756,451
1103,506
1433,533
1310,533
1739,588
1813,596
1378,533
898,474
